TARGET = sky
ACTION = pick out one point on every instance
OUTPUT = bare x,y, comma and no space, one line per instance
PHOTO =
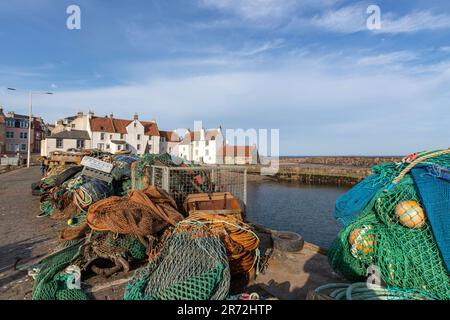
311,68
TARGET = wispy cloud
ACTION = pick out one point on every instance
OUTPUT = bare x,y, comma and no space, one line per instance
414,22
262,9
353,19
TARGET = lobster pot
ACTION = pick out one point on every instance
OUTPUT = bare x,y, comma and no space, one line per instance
180,182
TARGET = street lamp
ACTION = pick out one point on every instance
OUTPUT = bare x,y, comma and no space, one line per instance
30,119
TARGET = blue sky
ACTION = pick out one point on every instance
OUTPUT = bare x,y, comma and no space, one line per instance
309,68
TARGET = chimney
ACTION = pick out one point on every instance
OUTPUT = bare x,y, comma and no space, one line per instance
10,114
90,114
80,114
136,117
111,115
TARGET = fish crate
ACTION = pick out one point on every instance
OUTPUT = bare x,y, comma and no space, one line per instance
180,182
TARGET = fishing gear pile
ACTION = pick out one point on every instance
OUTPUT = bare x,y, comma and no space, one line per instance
125,223
397,223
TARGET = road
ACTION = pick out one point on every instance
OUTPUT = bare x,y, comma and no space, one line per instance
24,238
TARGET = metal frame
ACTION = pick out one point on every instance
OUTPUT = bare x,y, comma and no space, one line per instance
178,181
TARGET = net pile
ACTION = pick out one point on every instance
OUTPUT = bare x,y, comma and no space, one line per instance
119,233
192,265
50,280
240,241
393,232
142,213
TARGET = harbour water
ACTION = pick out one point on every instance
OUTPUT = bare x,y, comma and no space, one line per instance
305,209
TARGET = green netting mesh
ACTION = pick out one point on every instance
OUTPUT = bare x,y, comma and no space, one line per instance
406,253
191,265
49,285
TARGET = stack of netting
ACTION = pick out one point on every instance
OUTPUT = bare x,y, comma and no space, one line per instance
51,278
142,213
191,265
240,240
385,225
125,236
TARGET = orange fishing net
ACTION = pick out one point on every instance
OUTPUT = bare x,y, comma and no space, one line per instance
240,241
142,213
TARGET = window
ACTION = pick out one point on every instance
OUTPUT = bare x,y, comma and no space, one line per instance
100,146
139,137
24,135
9,135
207,152
17,124
102,136
73,125
139,147
59,143
207,142
107,146
23,147
80,144
163,139
121,136
10,123
110,136
119,148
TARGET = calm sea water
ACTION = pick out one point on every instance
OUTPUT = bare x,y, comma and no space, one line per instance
307,210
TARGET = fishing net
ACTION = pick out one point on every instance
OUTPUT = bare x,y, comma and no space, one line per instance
239,239
192,265
50,283
392,232
143,213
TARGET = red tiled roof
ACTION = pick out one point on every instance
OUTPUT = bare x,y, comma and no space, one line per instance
170,136
111,125
196,135
150,128
236,151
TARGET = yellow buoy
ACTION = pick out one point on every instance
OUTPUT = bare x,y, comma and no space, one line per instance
410,214
362,243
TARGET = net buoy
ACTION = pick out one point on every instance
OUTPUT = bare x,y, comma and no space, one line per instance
410,214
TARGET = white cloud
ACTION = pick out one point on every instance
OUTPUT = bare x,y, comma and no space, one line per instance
413,22
353,18
316,107
257,9
398,57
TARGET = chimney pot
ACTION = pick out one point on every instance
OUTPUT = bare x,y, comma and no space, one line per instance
136,117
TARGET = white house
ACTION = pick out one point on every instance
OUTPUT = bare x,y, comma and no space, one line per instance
105,133
202,146
65,140
169,142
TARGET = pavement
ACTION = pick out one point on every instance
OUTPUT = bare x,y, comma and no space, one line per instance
25,239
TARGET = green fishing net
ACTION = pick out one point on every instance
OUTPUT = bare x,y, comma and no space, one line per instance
50,284
407,257
192,265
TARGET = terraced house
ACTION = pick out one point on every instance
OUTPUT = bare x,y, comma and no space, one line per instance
105,133
14,133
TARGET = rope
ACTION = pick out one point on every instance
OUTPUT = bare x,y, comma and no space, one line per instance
416,162
240,241
368,291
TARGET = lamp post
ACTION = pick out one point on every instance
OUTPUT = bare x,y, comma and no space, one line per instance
30,119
